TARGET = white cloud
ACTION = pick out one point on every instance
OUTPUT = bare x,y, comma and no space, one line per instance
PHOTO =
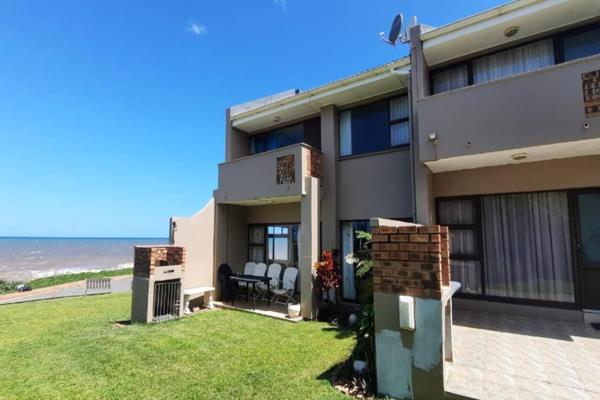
281,3
197,29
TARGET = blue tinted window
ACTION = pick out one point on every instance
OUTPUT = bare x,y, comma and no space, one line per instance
582,44
370,128
307,132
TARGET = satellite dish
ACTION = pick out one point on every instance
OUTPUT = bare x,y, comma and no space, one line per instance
395,29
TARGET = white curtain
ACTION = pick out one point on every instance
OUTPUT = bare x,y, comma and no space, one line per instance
399,108
527,244
345,133
514,61
348,287
457,212
400,133
449,79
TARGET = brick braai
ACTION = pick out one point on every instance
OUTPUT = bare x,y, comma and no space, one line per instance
147,258
411,260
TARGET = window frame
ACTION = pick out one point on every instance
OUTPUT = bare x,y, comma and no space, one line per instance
557,42
265,245
390,123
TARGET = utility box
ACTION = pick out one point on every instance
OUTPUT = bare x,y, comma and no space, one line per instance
406,308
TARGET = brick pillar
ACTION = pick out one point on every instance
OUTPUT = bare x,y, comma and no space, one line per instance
410,265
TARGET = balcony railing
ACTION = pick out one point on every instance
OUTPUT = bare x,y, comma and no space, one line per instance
532,109
273,174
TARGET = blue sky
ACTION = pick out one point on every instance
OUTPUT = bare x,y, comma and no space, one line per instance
112,112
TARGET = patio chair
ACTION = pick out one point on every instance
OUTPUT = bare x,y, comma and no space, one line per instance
274,272
249,269
288,287
260,269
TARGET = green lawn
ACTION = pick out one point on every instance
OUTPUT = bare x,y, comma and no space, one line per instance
8,287
68,278
70,348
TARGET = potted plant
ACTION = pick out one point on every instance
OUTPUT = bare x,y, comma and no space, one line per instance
328,278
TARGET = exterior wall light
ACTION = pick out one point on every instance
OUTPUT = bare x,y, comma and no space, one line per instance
511,31
433,136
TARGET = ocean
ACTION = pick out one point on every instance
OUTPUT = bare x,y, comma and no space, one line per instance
22,259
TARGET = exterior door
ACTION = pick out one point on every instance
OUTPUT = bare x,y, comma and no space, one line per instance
588,247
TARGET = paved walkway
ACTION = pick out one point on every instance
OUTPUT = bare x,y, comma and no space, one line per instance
118,284
506,357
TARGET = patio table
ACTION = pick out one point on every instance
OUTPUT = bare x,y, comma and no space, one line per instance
251,280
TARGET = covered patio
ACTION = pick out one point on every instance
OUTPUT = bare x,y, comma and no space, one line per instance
501,356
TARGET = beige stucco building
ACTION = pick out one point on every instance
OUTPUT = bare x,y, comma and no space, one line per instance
491,126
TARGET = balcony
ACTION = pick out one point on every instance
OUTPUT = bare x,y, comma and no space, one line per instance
540,113
275,176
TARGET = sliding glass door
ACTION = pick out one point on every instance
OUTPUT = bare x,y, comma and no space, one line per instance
527,246
515,246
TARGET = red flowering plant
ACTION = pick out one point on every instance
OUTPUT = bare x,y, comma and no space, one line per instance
327,274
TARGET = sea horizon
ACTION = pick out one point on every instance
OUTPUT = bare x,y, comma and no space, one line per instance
23,258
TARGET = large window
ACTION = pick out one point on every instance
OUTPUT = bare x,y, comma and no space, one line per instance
513,246
375,127
349,244
306,132
274,243
566,46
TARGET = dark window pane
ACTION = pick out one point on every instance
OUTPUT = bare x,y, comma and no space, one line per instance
582,44
589,226
370,128
308,132
312,132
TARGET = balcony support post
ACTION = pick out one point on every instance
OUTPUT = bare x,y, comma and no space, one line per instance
309,245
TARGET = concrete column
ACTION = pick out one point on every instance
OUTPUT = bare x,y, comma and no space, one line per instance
410,319
330,149
423,204
309,245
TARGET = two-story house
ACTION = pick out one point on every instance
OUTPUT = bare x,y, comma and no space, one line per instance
490,127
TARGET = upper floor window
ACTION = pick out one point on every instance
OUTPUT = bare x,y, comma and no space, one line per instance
375,127
514,61
306,132
582,44
555,49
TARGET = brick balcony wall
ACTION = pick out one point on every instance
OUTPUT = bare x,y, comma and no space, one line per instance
147,258
411,260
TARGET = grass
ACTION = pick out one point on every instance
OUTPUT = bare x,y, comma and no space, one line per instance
71,348
68,278
8,287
